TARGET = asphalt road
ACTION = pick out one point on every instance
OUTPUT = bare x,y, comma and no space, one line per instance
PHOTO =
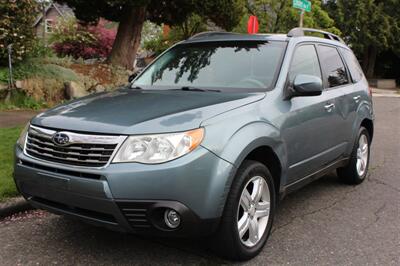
325,223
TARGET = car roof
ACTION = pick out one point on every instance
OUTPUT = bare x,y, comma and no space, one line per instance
231,36
214,36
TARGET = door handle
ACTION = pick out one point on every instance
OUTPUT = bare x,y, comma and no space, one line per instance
328,107
357,98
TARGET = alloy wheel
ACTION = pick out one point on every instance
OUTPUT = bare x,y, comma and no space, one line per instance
362,155
253,211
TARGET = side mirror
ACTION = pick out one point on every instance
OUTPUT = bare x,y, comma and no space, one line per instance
307,85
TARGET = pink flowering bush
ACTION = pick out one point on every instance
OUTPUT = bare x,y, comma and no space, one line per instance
80,41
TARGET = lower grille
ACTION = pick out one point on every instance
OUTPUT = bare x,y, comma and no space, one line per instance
135,213
76,210
80,150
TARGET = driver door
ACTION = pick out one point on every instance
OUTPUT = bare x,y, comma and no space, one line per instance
309,122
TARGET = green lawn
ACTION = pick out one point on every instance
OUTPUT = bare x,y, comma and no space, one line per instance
8,137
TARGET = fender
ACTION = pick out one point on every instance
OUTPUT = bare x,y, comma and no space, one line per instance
243,141
364,111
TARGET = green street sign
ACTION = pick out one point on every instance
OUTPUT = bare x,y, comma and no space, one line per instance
302,4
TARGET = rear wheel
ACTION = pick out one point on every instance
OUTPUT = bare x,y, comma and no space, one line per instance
248,214
357,169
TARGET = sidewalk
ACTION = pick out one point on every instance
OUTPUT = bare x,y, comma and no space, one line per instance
15,118
385,93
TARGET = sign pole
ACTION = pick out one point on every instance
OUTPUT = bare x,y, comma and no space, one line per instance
301,19
10,74
304,6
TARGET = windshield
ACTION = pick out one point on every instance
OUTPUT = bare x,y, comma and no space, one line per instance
222,66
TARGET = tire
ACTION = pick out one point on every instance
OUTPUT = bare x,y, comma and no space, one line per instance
357,169
228,242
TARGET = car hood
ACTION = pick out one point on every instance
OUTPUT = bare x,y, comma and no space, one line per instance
130,111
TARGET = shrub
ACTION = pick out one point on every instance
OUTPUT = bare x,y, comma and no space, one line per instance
157,45
20,100
38,68
16,28
82,41
39,50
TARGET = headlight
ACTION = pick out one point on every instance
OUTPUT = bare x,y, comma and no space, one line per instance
22,137
151,149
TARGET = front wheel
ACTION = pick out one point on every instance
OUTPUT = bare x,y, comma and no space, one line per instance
357,169
248,214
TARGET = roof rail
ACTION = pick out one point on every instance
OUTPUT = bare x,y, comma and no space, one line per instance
210,33
297,32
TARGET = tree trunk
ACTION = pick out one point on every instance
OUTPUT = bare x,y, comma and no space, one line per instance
128,37
369,60
373,52
365,60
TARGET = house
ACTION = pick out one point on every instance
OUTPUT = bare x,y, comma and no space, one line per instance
51,14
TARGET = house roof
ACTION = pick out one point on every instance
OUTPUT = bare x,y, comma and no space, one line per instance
62,10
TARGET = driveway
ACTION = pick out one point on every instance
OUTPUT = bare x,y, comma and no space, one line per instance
325,223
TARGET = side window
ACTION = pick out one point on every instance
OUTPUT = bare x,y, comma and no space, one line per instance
305,61
353,65
332,64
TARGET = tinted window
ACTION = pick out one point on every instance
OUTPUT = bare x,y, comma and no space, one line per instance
305,61
226,66
332,64
353,65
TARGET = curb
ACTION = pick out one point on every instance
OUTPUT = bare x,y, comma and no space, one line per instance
386,95
13,206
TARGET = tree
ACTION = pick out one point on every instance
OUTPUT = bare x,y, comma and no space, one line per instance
369,26
131,15
193,25
16,19
280,16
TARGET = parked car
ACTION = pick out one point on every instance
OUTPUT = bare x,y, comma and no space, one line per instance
206,140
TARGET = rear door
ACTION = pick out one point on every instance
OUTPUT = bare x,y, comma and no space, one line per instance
337,83
354,94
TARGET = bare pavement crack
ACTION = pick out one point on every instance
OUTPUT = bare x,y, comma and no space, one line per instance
380,182
331,205
377,214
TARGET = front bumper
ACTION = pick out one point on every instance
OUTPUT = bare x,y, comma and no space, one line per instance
131,197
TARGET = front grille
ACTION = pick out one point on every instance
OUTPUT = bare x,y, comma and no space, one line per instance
83,149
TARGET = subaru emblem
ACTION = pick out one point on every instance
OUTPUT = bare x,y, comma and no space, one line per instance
60,139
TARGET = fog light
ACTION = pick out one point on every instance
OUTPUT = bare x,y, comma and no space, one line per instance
172,218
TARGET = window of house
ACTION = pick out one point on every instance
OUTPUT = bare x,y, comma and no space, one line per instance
49,25
305,61
332,64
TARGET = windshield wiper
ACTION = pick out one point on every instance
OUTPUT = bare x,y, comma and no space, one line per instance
187,88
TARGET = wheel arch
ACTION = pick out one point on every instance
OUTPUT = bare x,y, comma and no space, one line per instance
266,156
267,151
369,125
